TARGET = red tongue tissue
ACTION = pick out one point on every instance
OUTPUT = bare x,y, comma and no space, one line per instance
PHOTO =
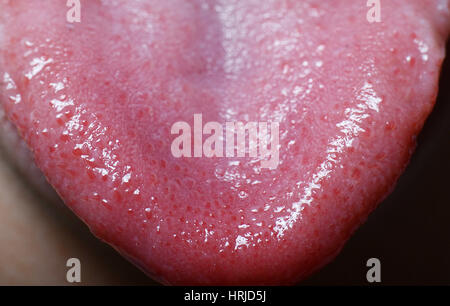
96,102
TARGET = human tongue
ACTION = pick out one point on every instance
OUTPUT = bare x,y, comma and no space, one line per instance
96,101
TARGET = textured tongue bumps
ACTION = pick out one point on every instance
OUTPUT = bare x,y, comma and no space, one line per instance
95,101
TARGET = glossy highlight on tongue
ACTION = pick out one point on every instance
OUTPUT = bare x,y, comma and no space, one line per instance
95,102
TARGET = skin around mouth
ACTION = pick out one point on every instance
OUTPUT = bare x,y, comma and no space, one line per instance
95,102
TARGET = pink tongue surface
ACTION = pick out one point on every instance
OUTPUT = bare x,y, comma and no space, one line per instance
95,101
